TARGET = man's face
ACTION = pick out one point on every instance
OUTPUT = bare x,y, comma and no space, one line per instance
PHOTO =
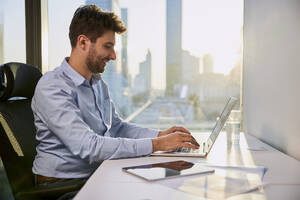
100,52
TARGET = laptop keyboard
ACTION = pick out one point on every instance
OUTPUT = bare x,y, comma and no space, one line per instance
188,150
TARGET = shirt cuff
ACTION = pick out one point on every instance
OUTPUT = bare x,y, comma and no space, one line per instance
153,133
144,147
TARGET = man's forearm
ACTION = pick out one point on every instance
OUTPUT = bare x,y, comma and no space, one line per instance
155,144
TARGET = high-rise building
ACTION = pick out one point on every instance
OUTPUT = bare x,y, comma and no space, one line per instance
124,14
142,83
208,64
145,70
190,68
173,44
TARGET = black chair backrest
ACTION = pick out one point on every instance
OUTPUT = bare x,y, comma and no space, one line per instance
17,130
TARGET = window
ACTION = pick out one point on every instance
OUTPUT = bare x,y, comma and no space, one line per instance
60,14
12,49
12,31
178,63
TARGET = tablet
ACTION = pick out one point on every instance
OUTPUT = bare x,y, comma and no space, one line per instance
158,171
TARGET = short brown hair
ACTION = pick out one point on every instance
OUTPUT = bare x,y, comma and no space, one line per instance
91,21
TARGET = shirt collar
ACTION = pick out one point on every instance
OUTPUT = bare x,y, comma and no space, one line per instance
96,78
77,78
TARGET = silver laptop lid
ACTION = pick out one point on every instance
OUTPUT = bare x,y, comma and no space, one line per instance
220,123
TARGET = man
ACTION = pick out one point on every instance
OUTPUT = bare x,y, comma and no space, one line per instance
77,126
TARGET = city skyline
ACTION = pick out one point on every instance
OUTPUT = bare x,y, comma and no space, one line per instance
159,41
208,27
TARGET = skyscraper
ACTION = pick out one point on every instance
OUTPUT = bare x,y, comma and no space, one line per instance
145,70
124,14
142,82
190,68
173,44
208,64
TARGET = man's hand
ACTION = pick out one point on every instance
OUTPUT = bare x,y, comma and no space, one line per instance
174,140
172,130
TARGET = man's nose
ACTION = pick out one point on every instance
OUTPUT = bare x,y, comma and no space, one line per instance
113,55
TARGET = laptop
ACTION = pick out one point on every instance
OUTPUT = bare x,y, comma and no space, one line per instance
205,146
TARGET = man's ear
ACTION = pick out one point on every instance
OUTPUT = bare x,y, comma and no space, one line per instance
83,42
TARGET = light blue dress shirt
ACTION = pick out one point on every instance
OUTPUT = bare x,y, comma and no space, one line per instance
78,128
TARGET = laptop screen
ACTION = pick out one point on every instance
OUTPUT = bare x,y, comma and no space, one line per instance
220,122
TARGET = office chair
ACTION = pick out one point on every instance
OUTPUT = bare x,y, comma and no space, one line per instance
17,134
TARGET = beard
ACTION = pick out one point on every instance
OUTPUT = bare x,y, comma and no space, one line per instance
96,64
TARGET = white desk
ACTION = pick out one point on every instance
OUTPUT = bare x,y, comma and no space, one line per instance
110,182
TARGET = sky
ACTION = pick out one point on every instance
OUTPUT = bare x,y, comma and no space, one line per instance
208,26
13,30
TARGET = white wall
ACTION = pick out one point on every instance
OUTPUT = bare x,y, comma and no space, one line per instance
271,74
